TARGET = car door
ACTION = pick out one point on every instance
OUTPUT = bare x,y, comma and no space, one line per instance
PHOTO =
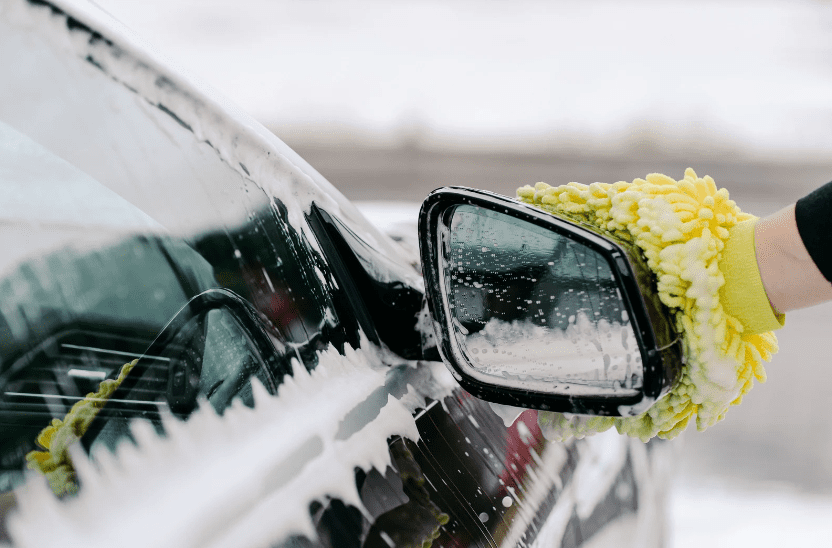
473,480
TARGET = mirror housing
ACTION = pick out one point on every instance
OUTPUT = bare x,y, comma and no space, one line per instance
534,310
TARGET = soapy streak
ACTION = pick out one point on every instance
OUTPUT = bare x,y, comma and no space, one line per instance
218,465
602,459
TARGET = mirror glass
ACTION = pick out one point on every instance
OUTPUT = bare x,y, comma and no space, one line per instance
534,310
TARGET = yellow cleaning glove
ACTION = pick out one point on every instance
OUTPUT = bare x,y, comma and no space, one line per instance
743,295
700,247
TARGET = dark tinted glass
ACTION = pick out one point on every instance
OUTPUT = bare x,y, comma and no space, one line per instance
90,275
210,357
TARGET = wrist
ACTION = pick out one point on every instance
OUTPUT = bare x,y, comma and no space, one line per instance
789,275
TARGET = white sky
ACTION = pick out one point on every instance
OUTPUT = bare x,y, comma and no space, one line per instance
533,73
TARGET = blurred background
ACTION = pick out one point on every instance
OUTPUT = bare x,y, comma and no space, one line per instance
391,99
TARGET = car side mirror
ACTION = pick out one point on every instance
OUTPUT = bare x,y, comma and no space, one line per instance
534,310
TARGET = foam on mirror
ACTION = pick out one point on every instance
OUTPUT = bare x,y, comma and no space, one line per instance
536,310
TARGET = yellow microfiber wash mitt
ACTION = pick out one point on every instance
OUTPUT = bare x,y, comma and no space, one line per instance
700,247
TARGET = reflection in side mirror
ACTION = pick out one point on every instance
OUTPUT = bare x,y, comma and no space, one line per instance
535,311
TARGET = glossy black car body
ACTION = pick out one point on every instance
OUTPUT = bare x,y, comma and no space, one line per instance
181,194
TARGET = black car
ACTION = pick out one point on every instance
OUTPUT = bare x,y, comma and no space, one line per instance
284,354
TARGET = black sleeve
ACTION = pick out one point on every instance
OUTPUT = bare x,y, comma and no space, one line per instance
813,213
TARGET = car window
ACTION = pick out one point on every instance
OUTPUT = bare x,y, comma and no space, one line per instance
228,363
72,318
267,262
81,294
208,356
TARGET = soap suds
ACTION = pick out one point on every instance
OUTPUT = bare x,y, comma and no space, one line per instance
523,354
211,468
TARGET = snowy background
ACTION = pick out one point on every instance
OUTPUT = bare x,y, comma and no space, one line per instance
524,75
391,99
